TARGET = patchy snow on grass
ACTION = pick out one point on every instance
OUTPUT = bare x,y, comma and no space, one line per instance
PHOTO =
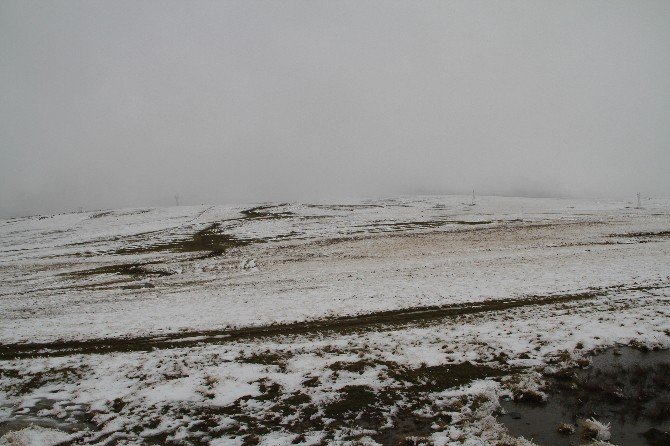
169,368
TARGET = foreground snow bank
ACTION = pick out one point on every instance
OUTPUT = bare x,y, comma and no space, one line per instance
34,436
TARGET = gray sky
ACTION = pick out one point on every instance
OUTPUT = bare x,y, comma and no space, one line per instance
126,103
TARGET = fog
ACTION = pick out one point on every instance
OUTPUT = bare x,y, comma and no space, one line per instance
127,103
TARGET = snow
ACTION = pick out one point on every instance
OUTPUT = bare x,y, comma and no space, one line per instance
559,246
319,262
34,436
600,431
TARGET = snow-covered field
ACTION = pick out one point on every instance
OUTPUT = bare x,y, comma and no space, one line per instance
359,322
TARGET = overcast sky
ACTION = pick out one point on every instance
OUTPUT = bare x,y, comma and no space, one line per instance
127,103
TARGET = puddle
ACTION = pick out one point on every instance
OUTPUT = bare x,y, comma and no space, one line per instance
624,387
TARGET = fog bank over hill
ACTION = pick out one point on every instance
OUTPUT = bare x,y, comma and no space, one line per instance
122,104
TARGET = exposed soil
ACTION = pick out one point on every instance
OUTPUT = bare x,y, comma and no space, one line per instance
209,240
428,224
128,269
262,212
644,235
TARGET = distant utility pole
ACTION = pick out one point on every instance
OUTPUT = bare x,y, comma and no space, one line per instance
176,199
639,201
473,197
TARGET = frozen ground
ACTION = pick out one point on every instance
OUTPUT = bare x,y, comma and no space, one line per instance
363,322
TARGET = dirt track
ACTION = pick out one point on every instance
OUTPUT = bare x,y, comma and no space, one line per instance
381,320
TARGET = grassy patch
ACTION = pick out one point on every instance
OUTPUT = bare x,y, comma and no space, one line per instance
267,358
354,367
352,401
441,377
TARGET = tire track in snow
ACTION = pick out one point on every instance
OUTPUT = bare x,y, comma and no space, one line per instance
385,320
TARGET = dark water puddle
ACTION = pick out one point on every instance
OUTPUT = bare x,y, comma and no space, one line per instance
625,387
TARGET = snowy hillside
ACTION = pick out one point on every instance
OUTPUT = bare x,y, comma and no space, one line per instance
214,317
